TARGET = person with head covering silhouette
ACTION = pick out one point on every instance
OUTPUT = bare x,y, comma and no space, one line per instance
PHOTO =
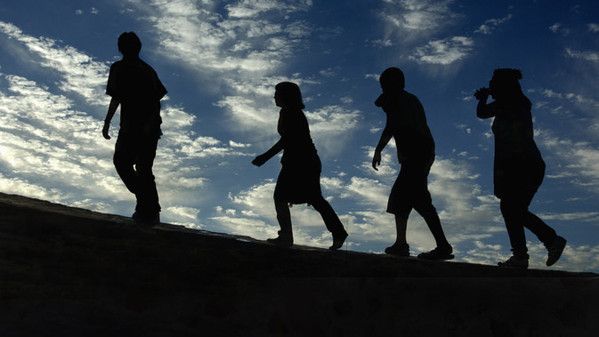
406,124
299,178
135,86
518,167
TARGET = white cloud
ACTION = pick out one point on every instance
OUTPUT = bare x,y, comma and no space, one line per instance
579,159
593,27
490,25
50,140
445,51
81,74
574,257
251,8
331,126
418,16
591,56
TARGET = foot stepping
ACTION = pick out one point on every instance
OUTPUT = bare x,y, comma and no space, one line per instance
338,240
281,241
515,262
437,254
401,250
555,250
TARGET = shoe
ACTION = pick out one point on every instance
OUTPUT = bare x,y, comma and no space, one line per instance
401,250
515,262
146,220
438,254
285,241
554,250
338,240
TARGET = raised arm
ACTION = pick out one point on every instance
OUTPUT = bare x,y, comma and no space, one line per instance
483,110
114,104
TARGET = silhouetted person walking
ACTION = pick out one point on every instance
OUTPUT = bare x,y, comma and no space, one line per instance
135,86
406,123
299,179
518,168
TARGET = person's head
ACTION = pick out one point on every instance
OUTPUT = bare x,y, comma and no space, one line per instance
288,95
505,83
392,79
129,44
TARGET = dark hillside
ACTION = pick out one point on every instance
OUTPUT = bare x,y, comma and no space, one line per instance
71,272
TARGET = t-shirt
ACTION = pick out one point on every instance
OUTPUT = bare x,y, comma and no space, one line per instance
407,122
137,86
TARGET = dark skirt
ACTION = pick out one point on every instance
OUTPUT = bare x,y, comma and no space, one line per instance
299,183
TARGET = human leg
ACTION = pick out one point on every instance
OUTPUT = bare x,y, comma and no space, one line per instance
514,214
285,237
331,221
124,159
147,194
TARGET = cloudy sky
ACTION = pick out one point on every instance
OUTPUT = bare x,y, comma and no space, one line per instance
220,61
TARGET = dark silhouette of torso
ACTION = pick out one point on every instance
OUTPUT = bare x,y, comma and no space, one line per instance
407,122
518,162
299,151
137,86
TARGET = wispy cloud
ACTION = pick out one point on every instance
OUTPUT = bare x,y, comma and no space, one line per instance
591,56
490,25
581,159
82,74
51,140
593,27
443,52
420,17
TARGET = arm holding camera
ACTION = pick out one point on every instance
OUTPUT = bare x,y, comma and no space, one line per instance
483,110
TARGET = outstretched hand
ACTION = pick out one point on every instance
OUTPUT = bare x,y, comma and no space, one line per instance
259,160
376,160
105,131
482,93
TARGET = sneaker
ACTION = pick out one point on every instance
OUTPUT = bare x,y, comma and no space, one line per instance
338,240
401,250
554,250
439,253
516,262
146,220
285,241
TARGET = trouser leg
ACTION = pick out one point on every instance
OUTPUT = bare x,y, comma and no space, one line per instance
330,218
545,233
147,194
514,214
124,159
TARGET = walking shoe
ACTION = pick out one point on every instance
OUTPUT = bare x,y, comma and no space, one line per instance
283,240
516,262
439,253
338,240
401,250
554,250
146,220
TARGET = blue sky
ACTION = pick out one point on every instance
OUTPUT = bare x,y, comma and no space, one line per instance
220,61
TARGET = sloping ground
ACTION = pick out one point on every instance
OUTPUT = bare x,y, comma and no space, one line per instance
71,272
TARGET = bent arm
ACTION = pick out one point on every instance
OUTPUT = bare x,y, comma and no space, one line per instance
273,151
484,110
384,140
